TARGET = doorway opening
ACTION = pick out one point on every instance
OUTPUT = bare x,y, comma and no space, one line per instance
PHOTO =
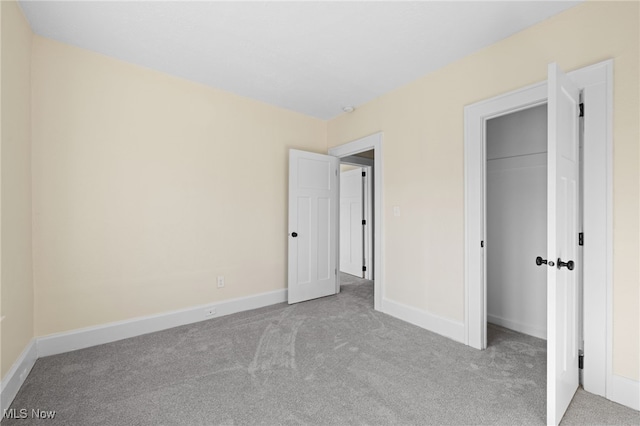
356,215
516,220
314,224
356,220
366,154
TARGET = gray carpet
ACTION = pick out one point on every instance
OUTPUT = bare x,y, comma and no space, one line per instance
331,361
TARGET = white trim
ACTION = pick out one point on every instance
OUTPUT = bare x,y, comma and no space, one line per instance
365,144
91,336
17,374
98,335
442,326
624,391
596,80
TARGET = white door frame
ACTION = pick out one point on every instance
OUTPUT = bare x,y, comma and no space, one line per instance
371,142
596,81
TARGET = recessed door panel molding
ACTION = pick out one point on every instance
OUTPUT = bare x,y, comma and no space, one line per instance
325,238
303,242
314,174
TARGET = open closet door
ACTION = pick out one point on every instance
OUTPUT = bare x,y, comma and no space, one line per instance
351,222
562,243
313,225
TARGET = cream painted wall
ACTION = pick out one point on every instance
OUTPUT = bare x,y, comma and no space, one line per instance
423,158
146,187
16,284
138,202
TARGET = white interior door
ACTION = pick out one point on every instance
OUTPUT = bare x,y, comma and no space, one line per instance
313,225
562,243
351,217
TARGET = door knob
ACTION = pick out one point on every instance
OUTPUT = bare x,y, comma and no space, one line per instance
569,265
294,234
540,261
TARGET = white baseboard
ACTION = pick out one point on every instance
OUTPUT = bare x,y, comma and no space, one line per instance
624,391
16,376
445,327
106,333
621,389
92,336
518,326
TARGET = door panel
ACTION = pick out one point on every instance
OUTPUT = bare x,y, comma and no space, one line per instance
313,214
562,243
314,174
303,241
325,238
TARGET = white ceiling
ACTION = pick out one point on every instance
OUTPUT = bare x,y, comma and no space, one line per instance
310,57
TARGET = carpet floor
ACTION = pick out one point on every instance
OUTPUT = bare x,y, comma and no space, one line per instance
330,361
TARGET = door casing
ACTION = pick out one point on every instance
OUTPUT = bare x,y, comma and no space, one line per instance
597,85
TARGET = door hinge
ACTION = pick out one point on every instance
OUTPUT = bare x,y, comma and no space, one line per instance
482,244
364,269
581,239
364,174
581,360
581,106
364,222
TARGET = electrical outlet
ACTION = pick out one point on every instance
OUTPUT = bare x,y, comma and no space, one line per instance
209,312
220,281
